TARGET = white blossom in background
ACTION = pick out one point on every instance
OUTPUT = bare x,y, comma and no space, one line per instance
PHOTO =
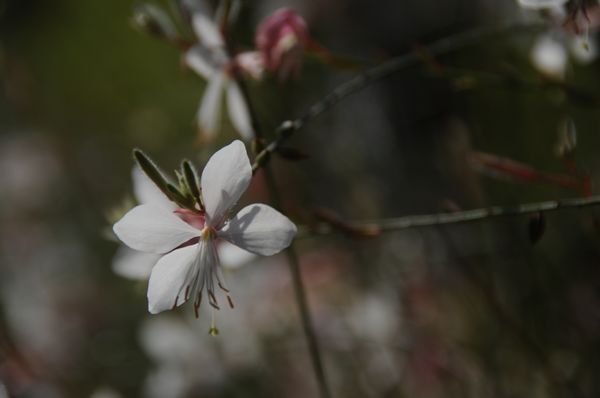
210,60
542,4
584,51
22,155
189,267
552,51
177,353
569,39
137,265
105,392
549,56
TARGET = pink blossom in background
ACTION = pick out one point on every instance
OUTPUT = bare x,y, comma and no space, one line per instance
282,38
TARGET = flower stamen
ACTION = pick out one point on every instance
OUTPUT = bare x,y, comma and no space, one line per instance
212,300
208,233
213,331
221,286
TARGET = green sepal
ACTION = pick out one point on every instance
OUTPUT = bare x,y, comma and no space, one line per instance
191,179
181,182
153,172
179,197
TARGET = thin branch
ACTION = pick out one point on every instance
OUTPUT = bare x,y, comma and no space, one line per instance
293,262
286,129
376,227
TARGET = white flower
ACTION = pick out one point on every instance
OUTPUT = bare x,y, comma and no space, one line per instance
551,51
549,56
190,265
210,60
137,265
583,50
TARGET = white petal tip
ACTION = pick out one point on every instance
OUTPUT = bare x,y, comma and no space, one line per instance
260,229
117,229
153,310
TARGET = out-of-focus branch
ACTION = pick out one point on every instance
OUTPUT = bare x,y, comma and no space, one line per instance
293,262
332,224
506,168
561,385
286,129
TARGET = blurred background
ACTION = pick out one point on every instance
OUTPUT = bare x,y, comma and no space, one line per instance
508,307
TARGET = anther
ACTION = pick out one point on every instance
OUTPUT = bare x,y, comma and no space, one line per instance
197,303
212,297
222,287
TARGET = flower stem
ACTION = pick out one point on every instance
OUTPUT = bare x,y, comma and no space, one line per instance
301,300
294,264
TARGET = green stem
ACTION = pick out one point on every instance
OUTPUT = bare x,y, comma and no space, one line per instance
301,300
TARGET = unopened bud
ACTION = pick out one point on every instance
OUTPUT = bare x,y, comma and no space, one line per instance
567,138
282,38
154,21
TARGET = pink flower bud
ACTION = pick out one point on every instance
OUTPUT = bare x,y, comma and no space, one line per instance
582,19
281,38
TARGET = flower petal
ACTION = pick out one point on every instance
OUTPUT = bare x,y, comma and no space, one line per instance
153,229
200,60
132,264
224,179
146,192
170,277
238,111
231,256
259,229
207,31
209,113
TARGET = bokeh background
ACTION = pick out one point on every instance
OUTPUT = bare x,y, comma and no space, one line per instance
470,310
